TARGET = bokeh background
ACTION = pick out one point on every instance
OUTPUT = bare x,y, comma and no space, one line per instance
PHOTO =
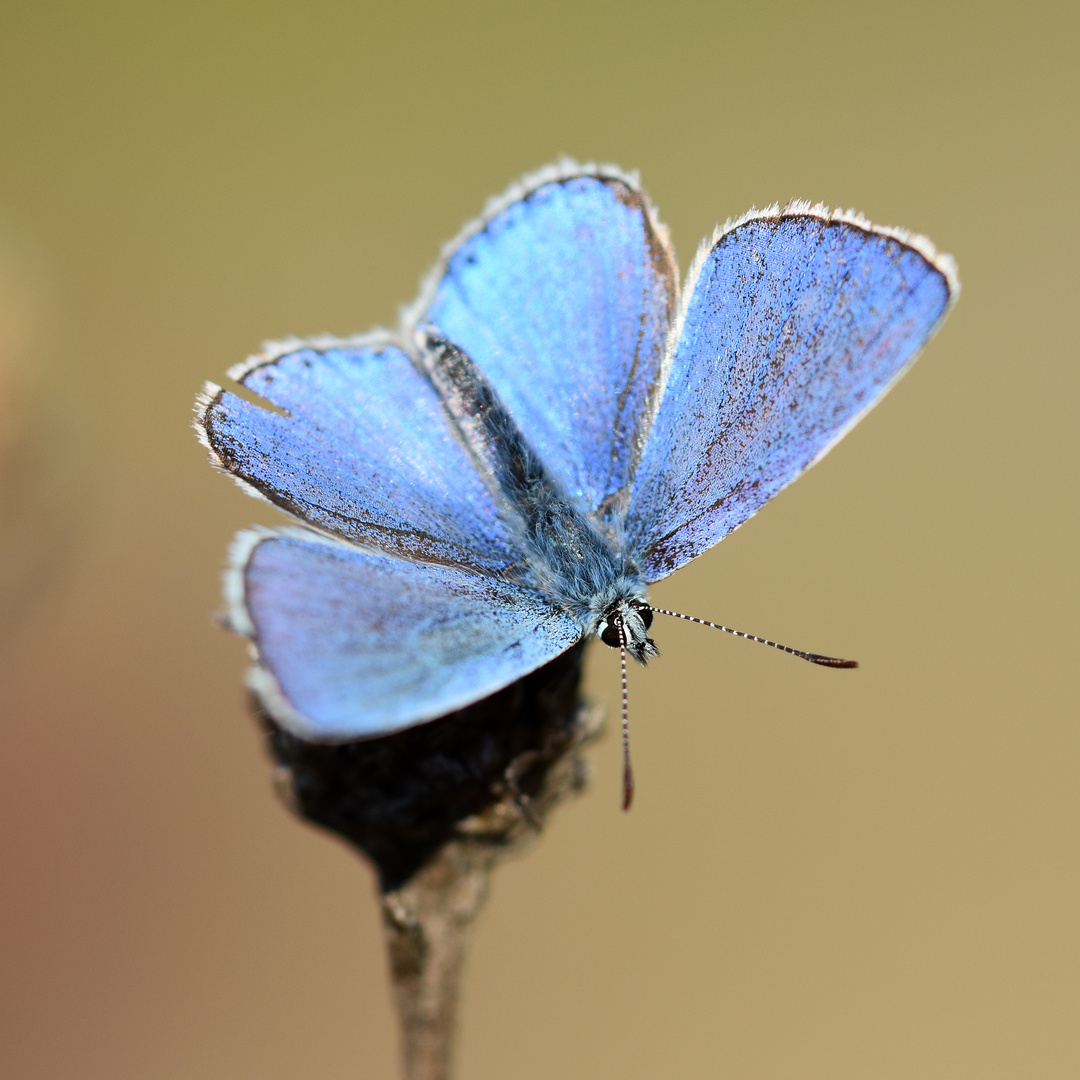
870,874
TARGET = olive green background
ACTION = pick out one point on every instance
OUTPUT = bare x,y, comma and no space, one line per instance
826,874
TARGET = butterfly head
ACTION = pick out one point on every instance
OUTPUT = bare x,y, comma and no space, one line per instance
625,624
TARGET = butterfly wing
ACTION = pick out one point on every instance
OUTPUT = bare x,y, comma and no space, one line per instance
563,295
797,323
351,643
360,447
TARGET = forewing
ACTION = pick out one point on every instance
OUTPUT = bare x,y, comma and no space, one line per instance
362,449
353,644
563,295
796,324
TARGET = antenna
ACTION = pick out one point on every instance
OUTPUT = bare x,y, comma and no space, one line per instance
814,658
628,772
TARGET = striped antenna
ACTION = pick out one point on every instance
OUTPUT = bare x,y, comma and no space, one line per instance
628,772
814,658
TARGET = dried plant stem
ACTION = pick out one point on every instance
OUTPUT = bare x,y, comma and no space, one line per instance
427,925
427,921
435,807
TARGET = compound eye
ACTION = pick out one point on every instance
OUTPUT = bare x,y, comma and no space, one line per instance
610,634
645,615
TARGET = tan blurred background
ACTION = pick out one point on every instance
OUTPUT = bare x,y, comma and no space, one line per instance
833,875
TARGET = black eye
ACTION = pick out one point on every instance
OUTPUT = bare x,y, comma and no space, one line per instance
646,616
610,635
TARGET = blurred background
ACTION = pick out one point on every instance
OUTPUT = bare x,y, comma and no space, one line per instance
825,874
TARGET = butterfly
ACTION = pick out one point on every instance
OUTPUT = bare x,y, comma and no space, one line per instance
553,428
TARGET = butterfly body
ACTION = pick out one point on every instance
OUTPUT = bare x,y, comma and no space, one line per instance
551,430
579,562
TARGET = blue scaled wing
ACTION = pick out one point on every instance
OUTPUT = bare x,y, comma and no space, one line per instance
352,643
563,295
359,446
796,323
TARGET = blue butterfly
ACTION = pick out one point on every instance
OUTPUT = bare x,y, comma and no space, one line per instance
551,430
